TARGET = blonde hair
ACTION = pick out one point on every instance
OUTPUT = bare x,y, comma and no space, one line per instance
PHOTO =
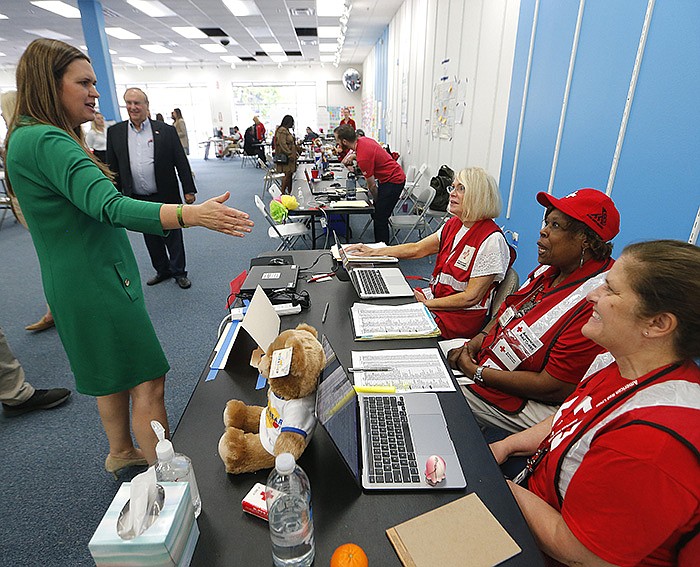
8,103
482,199
40,74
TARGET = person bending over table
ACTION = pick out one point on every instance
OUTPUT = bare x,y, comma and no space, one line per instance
530,357
472,256
77,220
385,178
616,477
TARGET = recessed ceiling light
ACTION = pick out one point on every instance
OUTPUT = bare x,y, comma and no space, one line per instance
155,48
190,32
327,47
242,7
213,47
3,55
3,17
49,34
271,48
327,58
132,60
301,11
152,8
328,31
60,8
121,33
333,8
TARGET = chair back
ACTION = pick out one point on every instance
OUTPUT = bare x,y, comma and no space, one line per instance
509,285
423,196
410,173
274,191
261,205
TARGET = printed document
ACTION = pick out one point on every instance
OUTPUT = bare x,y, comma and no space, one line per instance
372,322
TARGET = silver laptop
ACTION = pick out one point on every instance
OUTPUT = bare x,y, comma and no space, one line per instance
385,439
374,282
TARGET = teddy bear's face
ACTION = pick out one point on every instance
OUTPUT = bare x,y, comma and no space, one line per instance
307,363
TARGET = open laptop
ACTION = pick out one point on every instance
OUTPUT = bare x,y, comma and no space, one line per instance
382,455
374,282
270,278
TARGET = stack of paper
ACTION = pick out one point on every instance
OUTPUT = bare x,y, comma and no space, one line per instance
377,322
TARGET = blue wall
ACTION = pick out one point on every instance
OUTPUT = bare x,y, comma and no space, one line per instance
657,187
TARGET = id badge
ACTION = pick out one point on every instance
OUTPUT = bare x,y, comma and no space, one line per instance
505,354
527,340
465,258
506,317
281,362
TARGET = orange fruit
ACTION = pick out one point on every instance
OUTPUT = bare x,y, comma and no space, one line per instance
349,555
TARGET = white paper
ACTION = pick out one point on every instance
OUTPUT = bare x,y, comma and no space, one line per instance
391,321
412,370
261,320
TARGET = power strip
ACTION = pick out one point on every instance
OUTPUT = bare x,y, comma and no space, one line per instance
281,309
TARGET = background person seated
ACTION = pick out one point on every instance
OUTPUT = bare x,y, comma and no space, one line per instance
616,477
532,356
310,135
472,256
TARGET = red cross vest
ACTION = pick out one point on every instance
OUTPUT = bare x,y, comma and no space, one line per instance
453,268
523,341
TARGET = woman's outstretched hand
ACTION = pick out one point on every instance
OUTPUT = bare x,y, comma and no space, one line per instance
214,215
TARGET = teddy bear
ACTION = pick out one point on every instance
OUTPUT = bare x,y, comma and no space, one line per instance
255,435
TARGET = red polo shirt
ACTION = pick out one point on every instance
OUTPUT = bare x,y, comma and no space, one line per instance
375,161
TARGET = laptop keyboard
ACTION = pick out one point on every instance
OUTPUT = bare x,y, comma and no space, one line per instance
391,458
372,282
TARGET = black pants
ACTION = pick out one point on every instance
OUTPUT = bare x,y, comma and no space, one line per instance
387,196
167,252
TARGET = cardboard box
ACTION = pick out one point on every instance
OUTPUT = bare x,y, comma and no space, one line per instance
169,542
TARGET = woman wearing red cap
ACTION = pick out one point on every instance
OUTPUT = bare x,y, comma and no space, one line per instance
532,355
614,476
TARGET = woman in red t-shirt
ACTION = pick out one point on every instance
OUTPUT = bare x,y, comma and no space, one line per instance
614,476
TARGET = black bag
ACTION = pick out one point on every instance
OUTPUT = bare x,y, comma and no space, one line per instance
281,158
441,183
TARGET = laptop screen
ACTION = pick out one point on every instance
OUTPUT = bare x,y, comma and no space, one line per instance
342,253
337,409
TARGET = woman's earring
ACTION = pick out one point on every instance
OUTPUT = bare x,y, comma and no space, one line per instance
583,251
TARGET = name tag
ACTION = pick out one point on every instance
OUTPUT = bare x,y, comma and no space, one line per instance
527,340
465,258
506,317
281,362
506,354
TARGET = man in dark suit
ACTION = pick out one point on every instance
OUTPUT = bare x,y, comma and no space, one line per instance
146,154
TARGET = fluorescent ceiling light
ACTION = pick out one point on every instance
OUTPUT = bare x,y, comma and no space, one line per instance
328,31
327,58
155,48
271,48
242,7
60,8
183,59
278,58
190,32
332,8
132,60
152,8
49,34
327,47
213,47
4,17
3,55
230,59
121,33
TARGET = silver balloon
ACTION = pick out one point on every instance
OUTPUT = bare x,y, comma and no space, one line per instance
352,79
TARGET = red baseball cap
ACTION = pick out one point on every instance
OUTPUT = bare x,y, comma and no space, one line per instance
592,207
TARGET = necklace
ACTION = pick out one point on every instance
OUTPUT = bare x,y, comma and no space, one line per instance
530,301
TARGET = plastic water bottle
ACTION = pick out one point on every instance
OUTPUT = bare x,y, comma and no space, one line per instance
175,467
300,197
289,514
351,186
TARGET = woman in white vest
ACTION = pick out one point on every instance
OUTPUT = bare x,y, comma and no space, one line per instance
532,355
472,256
614,475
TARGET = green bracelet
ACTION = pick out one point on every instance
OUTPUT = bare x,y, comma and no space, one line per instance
180,220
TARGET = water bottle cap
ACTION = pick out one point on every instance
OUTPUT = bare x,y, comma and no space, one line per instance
164,450
285,463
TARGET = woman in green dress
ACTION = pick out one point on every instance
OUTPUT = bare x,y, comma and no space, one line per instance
78,221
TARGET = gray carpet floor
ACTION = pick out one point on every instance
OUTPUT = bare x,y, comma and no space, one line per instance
54,486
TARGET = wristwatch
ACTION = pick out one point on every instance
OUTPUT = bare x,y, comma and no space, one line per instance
478,378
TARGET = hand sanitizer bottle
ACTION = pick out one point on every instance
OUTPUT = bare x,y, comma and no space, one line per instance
175,467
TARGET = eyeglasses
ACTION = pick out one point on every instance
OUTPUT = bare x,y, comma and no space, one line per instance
459,188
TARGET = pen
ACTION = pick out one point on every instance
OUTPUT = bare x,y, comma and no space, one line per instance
351,369
325,313
375,389
318,277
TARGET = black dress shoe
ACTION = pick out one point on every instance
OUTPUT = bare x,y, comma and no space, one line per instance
41,399
183,282
158,278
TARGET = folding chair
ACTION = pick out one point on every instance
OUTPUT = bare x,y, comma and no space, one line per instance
271,177
288,233
510,283
249,158
439,216
407,197
417,221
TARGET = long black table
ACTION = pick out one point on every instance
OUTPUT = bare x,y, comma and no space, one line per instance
342,512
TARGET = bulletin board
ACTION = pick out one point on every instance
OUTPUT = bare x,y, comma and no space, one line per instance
335,115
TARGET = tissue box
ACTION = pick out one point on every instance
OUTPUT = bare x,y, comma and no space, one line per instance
170,541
